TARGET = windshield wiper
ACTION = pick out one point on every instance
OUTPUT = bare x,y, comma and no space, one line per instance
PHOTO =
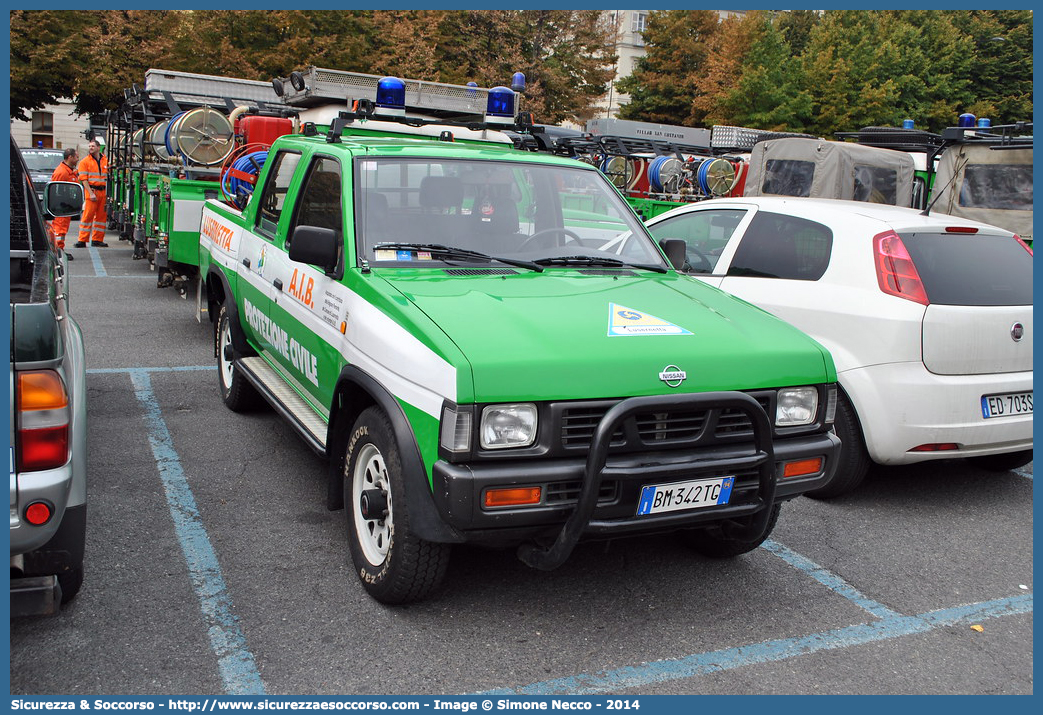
597,261
454,252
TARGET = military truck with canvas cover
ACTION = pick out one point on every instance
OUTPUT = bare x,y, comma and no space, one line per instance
830,170
989,182
489,348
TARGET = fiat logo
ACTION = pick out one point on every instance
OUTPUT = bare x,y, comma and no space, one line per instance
1017,332
672,375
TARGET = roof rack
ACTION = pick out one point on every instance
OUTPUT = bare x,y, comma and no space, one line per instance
314,87
365,109
999,137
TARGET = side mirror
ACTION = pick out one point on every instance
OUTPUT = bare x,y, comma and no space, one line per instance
63,198
315,246
675,250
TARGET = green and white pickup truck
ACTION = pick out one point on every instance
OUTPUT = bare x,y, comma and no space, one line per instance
489,348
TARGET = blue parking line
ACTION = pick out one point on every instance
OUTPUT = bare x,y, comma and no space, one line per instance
99,267
1023,473
829,580
613,681
132,370
235,661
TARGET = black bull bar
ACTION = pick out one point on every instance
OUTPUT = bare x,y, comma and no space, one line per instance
597,468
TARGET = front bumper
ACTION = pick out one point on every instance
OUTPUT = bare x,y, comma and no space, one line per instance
598,497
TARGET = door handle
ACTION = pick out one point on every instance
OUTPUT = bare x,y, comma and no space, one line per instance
246,262
277,283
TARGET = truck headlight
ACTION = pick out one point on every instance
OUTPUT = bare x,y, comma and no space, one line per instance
796,406
506,426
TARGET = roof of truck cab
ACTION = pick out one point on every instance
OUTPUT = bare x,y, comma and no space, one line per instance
404,145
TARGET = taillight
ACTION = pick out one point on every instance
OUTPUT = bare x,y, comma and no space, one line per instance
42,405
1023,244
895,271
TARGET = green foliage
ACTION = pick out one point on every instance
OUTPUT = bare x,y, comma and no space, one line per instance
566,55
665,81
47,49
838,70
801,70
765,95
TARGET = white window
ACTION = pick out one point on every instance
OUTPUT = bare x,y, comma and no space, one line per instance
638,21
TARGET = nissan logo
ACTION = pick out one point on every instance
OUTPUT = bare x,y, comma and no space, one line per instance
672,375
1017,332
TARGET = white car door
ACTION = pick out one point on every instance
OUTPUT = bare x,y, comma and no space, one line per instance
710,233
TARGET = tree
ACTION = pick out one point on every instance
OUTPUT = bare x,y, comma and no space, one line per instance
48,48
768,93
723,67
663,86
565,55
122,45
1000,78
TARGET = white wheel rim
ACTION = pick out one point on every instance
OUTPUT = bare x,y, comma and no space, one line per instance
373,535
224,363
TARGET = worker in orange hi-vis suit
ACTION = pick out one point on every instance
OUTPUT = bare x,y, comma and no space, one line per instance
65,171
91,172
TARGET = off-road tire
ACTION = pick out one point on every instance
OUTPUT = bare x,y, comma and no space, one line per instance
236,391
394,565
713,543
853,462
1002,462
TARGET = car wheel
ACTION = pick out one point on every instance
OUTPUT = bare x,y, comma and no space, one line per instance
394,565
853,461
715,544
236,391
1002,462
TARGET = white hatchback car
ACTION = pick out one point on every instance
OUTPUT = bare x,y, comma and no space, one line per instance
928,318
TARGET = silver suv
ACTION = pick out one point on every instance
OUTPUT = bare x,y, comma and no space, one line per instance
48,433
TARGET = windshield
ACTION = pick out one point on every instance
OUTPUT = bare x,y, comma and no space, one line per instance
412,209
42,160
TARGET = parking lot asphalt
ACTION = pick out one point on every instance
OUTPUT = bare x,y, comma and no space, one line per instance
213,567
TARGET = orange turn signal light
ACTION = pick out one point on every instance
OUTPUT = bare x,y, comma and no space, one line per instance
513,496
802,467
41,390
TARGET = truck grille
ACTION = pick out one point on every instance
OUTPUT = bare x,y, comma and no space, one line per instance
577,424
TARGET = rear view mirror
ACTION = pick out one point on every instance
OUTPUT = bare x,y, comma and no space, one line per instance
675,250
316,246
63,198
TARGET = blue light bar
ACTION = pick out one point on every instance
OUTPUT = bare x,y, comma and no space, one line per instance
518,82
984,123
908,124
391,95
500,107
966,120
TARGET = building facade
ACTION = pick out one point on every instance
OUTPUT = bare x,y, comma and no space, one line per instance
55,126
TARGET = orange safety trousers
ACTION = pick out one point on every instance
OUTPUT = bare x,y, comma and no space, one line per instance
60,227
94,218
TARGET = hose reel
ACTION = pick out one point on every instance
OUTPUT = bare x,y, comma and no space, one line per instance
201,136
